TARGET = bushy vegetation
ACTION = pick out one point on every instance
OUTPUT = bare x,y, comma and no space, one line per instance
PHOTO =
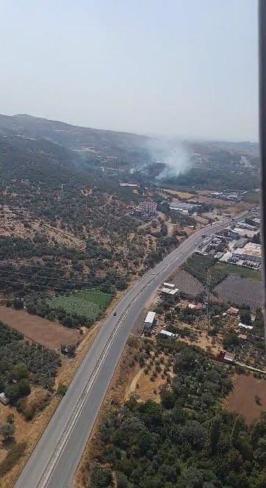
186,441
12,458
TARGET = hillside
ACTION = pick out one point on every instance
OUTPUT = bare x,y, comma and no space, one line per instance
46,147
93,143
35,160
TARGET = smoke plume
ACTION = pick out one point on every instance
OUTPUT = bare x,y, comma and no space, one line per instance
173,154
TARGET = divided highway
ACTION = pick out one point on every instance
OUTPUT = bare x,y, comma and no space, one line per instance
54,460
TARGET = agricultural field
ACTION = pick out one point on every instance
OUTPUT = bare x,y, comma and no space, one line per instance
87,303
42,331
209,271
187,283
203,269
240,291
230,269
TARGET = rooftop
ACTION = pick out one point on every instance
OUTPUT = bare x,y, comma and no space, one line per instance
250,249
150,317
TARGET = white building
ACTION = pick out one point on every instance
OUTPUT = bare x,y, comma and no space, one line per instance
167,333
170,291
149,320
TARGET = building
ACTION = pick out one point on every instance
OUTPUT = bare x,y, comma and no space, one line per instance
149,321
195,306
244,326
170,291
183,207
249,252
233,311
228,357
129,185
3,399
167,333
169,285
147,208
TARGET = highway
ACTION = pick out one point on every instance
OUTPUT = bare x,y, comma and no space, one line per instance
55,458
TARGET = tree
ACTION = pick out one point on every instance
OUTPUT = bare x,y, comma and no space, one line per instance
20,371
230,340
214,435
245,317
100,478
62,389
122,481
7,431
24,387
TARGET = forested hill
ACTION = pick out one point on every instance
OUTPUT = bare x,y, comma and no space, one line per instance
101,143
34,148
36,160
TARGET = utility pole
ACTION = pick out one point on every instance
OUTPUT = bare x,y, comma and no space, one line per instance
262,136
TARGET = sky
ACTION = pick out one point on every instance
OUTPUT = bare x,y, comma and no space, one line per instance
184,68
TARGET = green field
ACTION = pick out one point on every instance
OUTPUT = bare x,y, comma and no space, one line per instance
203,268
206,268
252,274
88,303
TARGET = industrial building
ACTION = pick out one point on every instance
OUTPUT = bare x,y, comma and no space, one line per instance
249,252
183,207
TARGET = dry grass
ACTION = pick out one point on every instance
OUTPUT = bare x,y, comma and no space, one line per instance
43,331
248,397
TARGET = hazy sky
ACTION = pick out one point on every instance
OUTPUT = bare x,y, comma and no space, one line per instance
183,67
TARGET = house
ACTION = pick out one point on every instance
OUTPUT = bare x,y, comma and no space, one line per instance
195,306
170,291
149,321
3,398
167,333
244,326
228,357
233,311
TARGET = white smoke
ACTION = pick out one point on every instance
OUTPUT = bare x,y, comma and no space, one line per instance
173,153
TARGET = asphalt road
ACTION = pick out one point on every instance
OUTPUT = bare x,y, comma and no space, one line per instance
54,461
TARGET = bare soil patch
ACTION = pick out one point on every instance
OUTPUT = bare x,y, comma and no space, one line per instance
239,290
187,283
45,332
248,397
145,389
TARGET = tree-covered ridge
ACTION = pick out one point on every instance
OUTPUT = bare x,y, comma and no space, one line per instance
186,441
